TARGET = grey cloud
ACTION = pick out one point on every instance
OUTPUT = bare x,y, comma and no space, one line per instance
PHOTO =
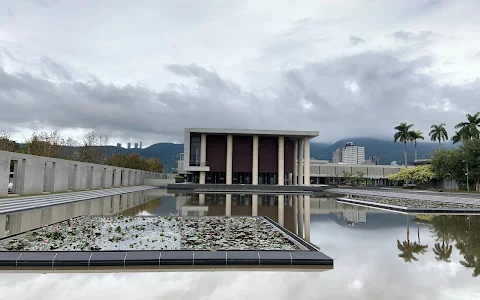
408,36
56,69
355,40
316,96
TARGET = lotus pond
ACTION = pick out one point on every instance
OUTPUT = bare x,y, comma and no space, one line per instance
89,233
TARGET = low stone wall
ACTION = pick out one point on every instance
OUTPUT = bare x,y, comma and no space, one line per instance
37,174
245,187
158,182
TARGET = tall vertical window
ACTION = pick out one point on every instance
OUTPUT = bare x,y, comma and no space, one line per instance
195,149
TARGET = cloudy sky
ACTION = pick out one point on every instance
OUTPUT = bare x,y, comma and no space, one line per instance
144,70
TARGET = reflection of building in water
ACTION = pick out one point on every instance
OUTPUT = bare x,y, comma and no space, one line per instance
354,217
31,219
236,205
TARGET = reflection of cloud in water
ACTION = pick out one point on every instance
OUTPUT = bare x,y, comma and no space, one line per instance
144,213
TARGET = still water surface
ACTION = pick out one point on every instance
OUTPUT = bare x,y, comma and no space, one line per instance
378,254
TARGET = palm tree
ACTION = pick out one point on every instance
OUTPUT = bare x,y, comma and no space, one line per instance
438,133
443,251
414,136
403,135
471,128
460,136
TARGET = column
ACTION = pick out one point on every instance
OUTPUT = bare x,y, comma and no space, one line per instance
228,205
203,156
281,160
254,205
295,163
300,163
255,161
201,199
306,172
307,183
228,176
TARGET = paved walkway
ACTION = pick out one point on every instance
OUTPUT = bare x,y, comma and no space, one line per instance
406,194
11,205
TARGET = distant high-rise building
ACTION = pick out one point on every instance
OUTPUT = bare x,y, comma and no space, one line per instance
119,145
337,156
140,144
373,160
353,154
129,145
135,145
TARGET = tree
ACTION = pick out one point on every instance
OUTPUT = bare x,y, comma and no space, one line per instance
403,135
46,144
471,156
94,148
134,161
418,175
438,133
470,129
6,143
448,164
414,136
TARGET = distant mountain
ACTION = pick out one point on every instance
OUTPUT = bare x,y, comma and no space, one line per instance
388,151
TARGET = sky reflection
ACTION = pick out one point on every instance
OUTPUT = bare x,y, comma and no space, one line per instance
367,266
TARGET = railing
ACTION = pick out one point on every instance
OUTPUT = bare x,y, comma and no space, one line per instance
198,164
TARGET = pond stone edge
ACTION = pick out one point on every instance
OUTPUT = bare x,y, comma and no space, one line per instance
407,209
9,259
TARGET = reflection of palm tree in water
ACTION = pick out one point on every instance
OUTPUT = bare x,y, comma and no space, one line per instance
443,251
470,260
408,249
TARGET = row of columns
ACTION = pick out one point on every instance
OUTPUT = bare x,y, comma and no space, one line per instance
302,151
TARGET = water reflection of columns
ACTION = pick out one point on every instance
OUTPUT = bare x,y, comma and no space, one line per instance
281,210
254,205
201,199
307,218
228,204
295,213
300,216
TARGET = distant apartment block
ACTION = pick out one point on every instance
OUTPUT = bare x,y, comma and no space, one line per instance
140,144
119,145
337,156
129,145
135,145
353,154
373,160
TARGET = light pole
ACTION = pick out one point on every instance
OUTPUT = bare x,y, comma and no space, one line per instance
468,186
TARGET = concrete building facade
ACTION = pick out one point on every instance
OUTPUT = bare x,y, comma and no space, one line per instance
246,156
353,154
37,174
337,156
321,173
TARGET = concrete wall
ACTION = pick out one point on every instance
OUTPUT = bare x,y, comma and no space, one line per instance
335,170
36,175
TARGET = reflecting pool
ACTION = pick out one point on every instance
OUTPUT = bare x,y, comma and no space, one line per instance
378,254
